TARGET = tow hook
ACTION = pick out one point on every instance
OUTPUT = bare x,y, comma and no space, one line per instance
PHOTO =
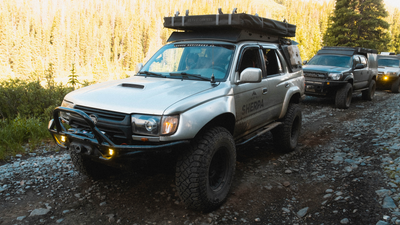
80,148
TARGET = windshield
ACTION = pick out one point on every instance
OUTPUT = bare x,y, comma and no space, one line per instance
331,60
191,59
389,62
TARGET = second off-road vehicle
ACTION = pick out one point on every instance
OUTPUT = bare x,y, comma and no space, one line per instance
389,72
225,80
338,71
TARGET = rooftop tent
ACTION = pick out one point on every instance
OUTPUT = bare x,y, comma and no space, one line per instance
239,21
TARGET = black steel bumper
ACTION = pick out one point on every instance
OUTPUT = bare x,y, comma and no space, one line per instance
94,142
322,87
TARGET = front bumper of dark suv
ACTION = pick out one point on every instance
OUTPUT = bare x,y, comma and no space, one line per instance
94,142
320,87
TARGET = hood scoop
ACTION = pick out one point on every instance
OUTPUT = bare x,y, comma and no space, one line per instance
138,86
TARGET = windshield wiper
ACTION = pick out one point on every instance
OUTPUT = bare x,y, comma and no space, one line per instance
147,73
183,74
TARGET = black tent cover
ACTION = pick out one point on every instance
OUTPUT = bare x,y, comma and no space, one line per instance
226,21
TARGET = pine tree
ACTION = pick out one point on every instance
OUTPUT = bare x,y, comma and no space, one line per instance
358,23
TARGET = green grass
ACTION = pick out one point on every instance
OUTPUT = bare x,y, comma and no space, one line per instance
14,134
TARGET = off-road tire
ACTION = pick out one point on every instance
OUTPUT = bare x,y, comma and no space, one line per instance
287,134
205,172
369,94
396,86
343,96
92,169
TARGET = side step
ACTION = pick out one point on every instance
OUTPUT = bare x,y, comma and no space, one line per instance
257,133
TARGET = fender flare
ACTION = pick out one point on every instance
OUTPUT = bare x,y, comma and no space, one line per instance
288,98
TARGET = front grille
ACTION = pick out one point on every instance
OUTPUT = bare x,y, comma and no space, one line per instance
315,75
116,125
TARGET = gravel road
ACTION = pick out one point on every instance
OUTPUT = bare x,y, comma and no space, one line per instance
346,170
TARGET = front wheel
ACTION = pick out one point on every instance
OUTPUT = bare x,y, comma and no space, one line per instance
92,169
369,94
287,134
204,173
343,96
396,86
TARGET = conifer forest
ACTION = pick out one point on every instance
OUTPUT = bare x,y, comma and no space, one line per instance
103,39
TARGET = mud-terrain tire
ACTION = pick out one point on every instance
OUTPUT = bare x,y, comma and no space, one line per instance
396,86
370,93
92,169
343,96
205,172
287,134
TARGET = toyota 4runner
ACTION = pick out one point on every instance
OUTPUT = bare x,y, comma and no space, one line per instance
338,71
225,80
389,72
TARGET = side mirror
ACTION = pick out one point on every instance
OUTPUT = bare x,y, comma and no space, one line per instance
250,75
305,62
360,66
138,67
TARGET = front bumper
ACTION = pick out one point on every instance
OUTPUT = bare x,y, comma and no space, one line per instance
94,142
384,80
322,87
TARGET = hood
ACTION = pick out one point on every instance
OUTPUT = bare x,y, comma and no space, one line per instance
325,69
137,94
386,70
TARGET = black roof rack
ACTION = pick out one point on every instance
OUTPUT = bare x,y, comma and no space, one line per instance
346,50
223,22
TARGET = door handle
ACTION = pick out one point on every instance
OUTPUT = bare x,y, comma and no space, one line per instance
264,91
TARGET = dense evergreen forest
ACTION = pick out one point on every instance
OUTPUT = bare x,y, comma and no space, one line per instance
105,38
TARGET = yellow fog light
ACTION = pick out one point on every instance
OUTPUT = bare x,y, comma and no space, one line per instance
63,139
111,152
385,78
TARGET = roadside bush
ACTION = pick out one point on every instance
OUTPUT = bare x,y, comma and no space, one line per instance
29,99
14,133
25,109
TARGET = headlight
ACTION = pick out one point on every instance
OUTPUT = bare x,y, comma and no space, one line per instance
65,115
145,124
154,125
335,76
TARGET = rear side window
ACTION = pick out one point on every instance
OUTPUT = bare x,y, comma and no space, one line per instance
273,63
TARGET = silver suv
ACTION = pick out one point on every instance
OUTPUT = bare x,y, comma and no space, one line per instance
200,95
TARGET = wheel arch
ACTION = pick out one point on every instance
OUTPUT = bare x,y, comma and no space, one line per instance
293,96
225,120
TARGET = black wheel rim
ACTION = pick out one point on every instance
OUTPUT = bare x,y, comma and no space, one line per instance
218,169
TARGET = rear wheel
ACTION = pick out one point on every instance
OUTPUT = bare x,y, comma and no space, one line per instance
204,173
396,86
287,134
343,96
369,94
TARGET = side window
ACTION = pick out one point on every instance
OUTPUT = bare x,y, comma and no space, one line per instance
272,62
356,60
250,58
363,61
